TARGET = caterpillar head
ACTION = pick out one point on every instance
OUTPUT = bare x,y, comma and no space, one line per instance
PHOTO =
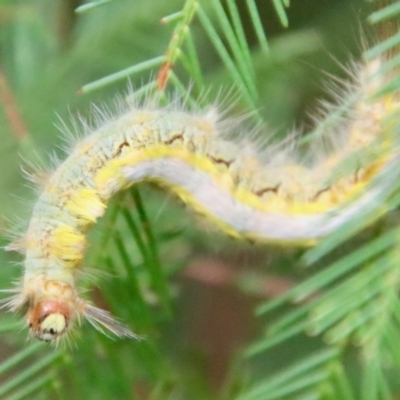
49,320
50,306
53,307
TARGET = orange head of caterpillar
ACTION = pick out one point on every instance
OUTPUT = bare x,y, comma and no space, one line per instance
53,306
48,320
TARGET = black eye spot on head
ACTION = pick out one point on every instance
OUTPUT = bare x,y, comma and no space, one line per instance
53,326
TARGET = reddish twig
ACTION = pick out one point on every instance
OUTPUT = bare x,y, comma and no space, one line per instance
11,110
163,75
217,273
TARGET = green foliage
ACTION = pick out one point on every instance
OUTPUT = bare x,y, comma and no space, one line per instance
332,336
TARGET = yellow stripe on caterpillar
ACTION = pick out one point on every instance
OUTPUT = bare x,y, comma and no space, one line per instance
67,245
86,204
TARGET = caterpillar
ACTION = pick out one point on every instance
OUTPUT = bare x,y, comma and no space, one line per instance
270,198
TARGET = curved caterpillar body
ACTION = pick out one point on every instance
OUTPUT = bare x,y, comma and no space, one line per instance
272,201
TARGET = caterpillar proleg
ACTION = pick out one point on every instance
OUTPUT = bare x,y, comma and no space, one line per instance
273,200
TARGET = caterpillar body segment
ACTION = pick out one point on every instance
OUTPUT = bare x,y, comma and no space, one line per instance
276,200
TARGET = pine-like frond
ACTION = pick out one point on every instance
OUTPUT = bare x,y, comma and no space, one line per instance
344,316
223,26
352,303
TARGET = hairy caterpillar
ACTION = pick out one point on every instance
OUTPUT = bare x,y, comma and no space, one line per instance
279,200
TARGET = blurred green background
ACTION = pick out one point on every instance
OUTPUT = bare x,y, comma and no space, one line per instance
194,335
